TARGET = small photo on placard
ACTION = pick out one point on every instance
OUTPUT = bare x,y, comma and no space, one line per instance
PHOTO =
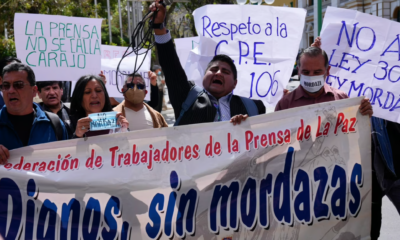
103,121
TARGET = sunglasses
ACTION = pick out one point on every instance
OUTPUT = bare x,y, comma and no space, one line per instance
138,85
16,85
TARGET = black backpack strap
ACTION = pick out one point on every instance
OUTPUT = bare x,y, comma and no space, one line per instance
56,124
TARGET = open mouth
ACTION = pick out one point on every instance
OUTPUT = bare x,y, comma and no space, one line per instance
13,99
95,103
216,81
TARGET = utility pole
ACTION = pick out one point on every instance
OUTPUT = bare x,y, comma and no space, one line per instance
120,17
319,17
95,3
109,21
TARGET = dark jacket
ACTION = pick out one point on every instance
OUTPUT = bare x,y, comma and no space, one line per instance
153,96
178,88
63,114
42,131
1,101
381,152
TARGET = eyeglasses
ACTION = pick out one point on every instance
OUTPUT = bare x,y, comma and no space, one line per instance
16,85
138,85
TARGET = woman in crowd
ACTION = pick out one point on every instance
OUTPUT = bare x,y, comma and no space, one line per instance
90,96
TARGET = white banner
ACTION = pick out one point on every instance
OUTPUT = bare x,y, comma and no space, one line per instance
364,52
110,58
58,48
303,173
262,40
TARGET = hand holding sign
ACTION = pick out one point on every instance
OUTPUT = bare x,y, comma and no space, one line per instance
82,126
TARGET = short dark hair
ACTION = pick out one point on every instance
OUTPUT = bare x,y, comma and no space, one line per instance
77,111
226,59
7,60
133,75
43,84
15,67
313,52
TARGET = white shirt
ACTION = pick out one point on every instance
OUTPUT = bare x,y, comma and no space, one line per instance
138,120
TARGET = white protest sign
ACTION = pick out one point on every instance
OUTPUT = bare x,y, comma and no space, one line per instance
262,40
58,47
110,58
183,47
364,55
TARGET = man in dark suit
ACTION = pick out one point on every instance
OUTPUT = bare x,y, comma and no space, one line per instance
1,101
216,102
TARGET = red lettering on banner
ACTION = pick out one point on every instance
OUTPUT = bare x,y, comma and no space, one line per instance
180,153
51,165
135,155
280,138
120,157
113,151
127,161
264,141
345,128
18,166
27,167
326,129
35,165
42,167
339,121
173,154
196,150
307,132
353,122
157,155
249,139
188,152
287,136
165,153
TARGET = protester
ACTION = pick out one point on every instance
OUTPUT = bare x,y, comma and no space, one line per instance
386,169
161,85
212,103
313,67
139,114
22,122
4,62
90,96
51,93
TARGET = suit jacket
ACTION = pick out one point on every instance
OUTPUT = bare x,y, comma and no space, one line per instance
1,101
158,119
178,88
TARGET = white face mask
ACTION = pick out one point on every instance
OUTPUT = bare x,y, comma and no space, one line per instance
312,84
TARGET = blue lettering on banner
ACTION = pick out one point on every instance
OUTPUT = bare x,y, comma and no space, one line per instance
286,196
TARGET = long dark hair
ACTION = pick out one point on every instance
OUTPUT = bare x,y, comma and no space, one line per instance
77,111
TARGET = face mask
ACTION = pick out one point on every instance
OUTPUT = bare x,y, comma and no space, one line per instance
135,96
159,73
312,84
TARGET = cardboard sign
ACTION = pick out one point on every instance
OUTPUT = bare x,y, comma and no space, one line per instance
58,48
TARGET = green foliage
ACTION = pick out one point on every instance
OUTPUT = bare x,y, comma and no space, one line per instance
194,4
7,48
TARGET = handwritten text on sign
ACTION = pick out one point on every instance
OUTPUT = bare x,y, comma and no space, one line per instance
263,41
364,56
57,47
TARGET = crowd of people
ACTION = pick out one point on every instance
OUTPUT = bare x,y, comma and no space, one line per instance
24,122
